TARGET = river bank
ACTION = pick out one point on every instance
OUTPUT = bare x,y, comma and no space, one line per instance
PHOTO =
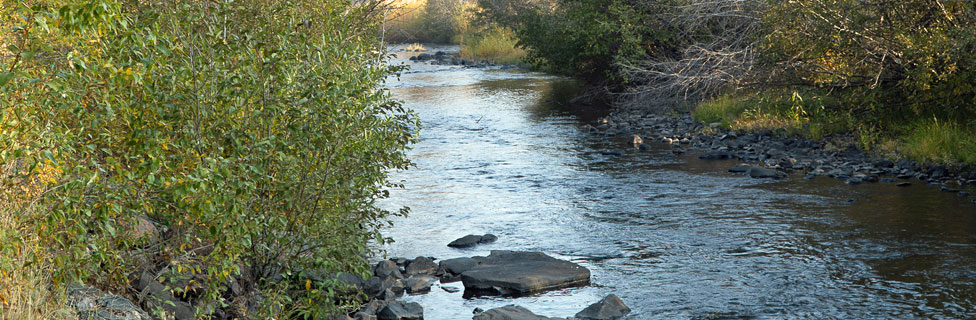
509,152
834,156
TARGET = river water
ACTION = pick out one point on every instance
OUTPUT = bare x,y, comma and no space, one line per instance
505,152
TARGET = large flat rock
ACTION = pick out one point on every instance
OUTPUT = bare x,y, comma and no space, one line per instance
521,273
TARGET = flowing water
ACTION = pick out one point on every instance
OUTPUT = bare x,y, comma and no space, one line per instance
505,152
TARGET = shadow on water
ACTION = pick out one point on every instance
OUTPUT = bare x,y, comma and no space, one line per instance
506,152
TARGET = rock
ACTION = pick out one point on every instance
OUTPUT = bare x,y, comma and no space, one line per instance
610,308
421,265
763,173
487,238
377,285
904,184
458,265
419,283
387,295
716,155
742,168
467,241
450,289
387,268
158,296
510,312
399,310
94,304
520,273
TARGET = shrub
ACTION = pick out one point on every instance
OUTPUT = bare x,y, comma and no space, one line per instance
254,131
583,38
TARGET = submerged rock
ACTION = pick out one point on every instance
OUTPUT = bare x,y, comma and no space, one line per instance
609,308
764,173
520,273
510,312
472,240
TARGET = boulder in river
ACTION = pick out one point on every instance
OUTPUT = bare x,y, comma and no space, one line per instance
472,240
716,155
421,265
510,312
419,283
387,268
610,308
520,273
763,173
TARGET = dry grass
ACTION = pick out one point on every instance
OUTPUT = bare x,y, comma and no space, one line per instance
26,289
416,47
496,45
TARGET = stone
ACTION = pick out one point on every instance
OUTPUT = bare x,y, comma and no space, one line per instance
387,268
94,304
903,184
716,155
509,312
764,173
399,310
419,283
450,289
458,265
377,285
520,273
488,238
467,241
742,168
158,296
421,265
609,308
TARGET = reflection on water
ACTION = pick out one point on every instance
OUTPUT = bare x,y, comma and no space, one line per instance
505,152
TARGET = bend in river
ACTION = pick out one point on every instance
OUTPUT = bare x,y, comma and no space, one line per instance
503,151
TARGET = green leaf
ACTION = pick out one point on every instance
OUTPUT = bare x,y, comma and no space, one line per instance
5,78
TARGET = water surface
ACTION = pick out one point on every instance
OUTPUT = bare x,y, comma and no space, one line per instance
506,152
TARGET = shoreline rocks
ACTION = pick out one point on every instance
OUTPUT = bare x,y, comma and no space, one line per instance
835,156
514,273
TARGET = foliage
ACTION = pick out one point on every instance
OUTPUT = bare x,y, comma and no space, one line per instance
253,131
583,38
901,59
430,21
497,44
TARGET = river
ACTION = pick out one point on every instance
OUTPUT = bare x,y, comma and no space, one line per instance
505,152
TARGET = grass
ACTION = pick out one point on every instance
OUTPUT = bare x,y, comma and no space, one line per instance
416,47
498,45
934,140
940,141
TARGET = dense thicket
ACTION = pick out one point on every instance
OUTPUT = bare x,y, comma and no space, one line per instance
254,133
915,55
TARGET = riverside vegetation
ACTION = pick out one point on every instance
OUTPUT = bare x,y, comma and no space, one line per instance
231,151
898,75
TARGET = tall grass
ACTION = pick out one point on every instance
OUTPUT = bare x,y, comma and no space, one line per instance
941,141
26,289
498,45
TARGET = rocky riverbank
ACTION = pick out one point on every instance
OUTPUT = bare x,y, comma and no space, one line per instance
773,155
502,273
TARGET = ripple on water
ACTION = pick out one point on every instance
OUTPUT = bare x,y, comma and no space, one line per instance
675,237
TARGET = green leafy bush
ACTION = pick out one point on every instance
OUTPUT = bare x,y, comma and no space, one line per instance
254,132
583,38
